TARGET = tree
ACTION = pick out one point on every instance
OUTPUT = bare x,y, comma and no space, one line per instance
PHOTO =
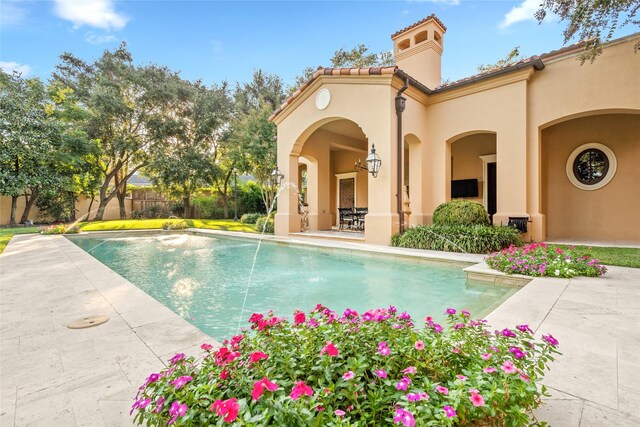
593,21
251,139
125,103
511,58
187,154
358,57
27,140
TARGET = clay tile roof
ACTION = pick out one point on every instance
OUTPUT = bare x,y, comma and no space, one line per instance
422,21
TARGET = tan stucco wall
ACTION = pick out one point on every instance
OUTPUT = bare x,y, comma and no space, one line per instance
516,107
609,213
82,207
466,161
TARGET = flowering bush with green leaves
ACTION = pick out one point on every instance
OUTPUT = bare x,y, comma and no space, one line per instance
369,369
175,225
60,229
541,259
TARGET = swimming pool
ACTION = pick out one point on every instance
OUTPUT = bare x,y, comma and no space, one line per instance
204,278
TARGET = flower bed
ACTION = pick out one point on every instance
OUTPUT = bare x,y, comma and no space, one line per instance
60,229
541,259
326,369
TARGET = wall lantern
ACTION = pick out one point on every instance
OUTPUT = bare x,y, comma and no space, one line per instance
277,176
373,162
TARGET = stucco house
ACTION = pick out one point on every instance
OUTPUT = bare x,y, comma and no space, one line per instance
544,139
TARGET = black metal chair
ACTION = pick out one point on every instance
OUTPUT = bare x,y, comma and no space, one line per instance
359,218
519,223
346,218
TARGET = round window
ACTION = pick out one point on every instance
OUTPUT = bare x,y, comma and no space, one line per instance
591,166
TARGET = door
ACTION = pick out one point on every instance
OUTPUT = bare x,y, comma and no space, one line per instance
492,190
347,193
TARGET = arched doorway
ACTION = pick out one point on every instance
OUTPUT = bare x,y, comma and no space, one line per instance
473,169
590,178
330,154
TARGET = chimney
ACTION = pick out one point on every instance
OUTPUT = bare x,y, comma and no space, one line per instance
417,50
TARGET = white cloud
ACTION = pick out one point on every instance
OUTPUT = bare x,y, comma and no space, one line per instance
524,12
99,39
10,67
93,13
11,13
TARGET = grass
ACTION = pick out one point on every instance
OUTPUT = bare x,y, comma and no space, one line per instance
6,234
151,224
622,257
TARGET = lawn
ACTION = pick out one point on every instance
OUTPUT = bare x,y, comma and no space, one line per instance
622,257
7,233
147,224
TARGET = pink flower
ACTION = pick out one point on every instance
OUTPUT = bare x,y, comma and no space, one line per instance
461,377
442,390
550,339
449,411
160,404
476,399
403,383
181,381
260,386
256,357
339,412
524,328
381,373
507,333
299,317
437,328
410,370
414,397
525,377
486,356
419,345
517,353
178,357
450,311
466,313
140,404
177,410
489,370
226,408
508,367
383,349
206,347
330,349
299,389
404,417
348,376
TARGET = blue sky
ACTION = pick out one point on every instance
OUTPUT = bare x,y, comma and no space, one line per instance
218,40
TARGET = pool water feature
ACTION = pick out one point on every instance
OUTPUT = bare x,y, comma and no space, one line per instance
204,278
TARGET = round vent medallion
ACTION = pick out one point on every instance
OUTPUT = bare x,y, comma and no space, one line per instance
88,322
323,97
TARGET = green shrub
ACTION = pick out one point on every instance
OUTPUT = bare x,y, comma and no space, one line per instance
209,207
250,218
268,228
175,225
540,259
460,212
375,369
477,239
60,229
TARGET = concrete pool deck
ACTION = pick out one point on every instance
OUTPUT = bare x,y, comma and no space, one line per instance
54,376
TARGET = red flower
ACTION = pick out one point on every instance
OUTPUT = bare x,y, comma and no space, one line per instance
330,349
224,356
259,386
299,389
299,317
258,355
226,408
255,317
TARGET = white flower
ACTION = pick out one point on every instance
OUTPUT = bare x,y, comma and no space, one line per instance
557,272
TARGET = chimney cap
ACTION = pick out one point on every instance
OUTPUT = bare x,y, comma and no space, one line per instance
431,17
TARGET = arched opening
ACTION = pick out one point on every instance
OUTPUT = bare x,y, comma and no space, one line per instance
437,37
473,169
413,180
329,154
589,177
420,37
404,44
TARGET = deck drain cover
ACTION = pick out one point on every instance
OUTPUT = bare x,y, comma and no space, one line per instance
88,322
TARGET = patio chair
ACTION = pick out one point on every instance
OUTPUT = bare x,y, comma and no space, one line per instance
346,218
359,218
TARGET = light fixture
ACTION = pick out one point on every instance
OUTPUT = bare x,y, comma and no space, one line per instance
277,176
373,162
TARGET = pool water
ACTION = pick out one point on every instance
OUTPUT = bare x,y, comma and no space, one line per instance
204,279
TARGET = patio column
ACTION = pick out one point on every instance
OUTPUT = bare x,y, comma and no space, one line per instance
287,219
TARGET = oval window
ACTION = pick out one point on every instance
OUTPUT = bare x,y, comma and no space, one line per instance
591,166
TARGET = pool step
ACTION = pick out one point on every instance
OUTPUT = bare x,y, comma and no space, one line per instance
343,236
